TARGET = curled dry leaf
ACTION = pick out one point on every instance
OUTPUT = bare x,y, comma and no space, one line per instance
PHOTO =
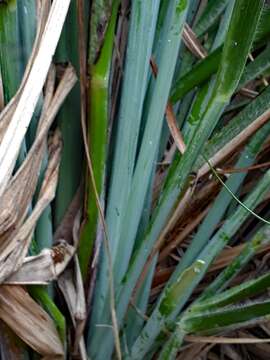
29,321
43,268
71,285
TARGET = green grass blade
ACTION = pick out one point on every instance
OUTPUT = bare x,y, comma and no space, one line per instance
204,93
262,33
179,288
215,322
98,137
260,239
225,319
237,124
207,67
235,294
199,73
256,68
40,294
170,193
221,238
135,322
223,26
210,15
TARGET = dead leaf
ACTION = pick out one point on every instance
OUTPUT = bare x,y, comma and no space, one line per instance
29,321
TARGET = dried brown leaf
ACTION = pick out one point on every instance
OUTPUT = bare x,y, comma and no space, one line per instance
71,284
29,321
11,347
44,267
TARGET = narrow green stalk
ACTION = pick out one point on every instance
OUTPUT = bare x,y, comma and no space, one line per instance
196,76
135,321
223,26
98,137
99,116
40,294
256,68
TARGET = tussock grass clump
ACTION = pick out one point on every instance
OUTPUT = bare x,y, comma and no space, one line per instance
134,181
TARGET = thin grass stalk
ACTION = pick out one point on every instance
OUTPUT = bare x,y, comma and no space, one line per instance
223,26
134,322
98,136
40,294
